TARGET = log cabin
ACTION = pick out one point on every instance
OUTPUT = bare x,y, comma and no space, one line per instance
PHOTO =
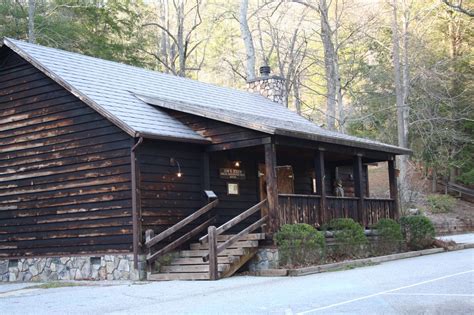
107,169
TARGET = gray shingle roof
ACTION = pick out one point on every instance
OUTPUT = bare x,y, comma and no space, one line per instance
132,98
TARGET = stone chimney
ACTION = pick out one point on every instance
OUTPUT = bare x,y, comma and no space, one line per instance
272,87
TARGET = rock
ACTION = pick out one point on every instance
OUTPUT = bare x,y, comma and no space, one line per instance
53,267
64,260
123,265
12,277
78,275
110,266
27,276
34,271
3,266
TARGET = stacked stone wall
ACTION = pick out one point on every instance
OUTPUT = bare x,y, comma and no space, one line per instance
105,267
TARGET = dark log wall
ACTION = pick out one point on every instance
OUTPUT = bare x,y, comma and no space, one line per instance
232,205
216,131
166,198
64,170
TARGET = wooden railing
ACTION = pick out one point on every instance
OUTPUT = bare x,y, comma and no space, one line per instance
299,209
294,208
341,207
213,232
376,209
152,240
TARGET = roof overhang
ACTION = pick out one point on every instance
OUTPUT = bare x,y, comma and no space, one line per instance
230,117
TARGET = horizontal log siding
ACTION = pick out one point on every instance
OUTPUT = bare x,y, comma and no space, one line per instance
64,170
217,132
232,205
166,198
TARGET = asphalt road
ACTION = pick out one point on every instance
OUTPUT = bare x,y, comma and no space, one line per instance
435,284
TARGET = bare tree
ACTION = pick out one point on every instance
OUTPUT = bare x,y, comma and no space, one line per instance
458,6
31,21
248,40
176,42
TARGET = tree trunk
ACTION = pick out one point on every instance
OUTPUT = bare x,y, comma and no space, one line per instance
31,21
329,63
180,39
399,93
248,41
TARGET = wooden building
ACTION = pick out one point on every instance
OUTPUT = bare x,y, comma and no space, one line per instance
113,166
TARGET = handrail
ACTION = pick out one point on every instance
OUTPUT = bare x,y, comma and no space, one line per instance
237,236
236,220
168,248
156,239
299,196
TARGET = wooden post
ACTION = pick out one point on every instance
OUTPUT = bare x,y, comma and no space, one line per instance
319,172
213,267
358,189
272,189
136,216
392,178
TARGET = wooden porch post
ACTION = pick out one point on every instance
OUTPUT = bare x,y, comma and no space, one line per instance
320,183
392,178
358,189
272,189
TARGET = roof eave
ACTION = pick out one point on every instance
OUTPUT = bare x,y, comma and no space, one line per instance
147,135
333,140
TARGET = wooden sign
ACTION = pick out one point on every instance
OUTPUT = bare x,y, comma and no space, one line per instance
231,173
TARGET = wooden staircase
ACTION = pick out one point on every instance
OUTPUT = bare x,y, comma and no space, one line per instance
216,255
189,264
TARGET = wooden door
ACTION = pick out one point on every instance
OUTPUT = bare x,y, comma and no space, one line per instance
285,180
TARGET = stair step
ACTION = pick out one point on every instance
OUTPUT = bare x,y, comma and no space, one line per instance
192,268
198,253
248,237
238,244
199,261
178,276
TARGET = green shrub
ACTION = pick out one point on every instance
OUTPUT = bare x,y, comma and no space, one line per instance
349,236
300,244
418,231
441,203
390,236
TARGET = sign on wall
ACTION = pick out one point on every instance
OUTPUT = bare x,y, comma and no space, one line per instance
231,173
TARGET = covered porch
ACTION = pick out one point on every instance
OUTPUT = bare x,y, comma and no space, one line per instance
299,179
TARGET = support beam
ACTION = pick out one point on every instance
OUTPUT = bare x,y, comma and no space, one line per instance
392,178
136,215
319,172
358,189
272,189
213,266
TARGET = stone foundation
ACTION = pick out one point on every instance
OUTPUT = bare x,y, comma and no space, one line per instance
266,258
105,267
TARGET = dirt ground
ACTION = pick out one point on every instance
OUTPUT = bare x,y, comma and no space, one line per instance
459,220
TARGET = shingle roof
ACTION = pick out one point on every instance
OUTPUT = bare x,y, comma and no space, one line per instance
132,98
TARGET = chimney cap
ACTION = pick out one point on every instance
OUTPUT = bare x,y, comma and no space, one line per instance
265,71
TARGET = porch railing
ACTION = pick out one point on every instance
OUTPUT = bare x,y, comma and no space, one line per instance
294,208
299,209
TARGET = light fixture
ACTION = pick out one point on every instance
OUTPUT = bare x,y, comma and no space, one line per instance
237,163
174,162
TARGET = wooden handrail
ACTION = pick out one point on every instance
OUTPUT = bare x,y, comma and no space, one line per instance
236,237
299,196
158,238
152,257
224,227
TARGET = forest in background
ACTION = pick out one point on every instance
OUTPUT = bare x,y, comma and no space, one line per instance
398,71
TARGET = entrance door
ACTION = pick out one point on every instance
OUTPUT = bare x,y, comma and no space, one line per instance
285,180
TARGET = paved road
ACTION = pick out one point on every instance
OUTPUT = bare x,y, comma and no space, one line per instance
436,284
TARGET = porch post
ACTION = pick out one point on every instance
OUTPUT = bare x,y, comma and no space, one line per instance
272,189
358,188
319,172
393,187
